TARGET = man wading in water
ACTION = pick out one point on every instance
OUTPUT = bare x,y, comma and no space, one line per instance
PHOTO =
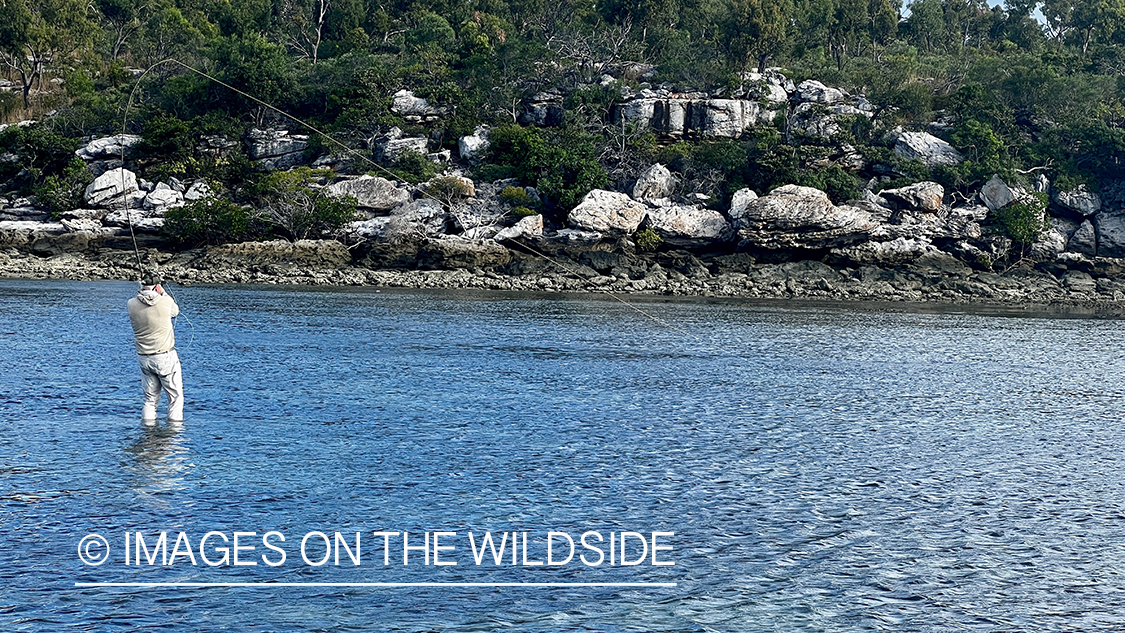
151,313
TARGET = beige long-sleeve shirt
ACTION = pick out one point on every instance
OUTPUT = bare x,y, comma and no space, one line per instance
151,315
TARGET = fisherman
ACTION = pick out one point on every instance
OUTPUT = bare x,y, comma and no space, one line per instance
151,311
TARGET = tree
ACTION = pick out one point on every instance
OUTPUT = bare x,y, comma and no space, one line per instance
304,25
36,34
123,20
754,30
259,68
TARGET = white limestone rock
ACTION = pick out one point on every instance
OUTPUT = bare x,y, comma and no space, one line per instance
803,218
607,212
371,192
654,183
530,226
109,147
112,188
689,225
739,201
931,150
160,200
472,148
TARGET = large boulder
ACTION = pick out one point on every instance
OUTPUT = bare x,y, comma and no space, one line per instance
819,121
996,194
1084,241
739,201
1109,226
109,147
727,118
276,149
414,109
1050,243
198,191
394,145
654,183
931,150
813,91
370,192
607,212
1079,202
114,188
544,109
530,226
426,216
471,148
161,199
794,217
920,196
688,225
677,117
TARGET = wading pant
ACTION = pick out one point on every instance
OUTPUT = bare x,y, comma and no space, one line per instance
162,371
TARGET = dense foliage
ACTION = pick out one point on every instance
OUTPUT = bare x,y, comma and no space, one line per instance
1010,92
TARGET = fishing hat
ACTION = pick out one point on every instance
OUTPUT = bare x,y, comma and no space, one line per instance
151,279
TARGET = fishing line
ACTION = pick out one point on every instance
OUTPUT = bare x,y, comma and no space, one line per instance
348,150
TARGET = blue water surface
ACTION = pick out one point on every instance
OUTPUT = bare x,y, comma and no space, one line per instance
822,469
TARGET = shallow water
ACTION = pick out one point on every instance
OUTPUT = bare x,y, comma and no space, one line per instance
822,469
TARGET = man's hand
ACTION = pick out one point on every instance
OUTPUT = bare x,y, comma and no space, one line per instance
158,289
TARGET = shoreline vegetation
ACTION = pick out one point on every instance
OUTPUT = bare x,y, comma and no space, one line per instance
819,149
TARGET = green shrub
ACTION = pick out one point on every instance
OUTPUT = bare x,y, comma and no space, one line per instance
448,190
212,221
1025,220
63,192
563,167
298,210
38,150
647,240
515,196
523,212
413,167
168,138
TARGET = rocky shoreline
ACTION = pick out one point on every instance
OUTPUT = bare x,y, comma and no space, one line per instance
1020,243
1092,285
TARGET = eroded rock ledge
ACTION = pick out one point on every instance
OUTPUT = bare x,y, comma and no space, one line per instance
614,268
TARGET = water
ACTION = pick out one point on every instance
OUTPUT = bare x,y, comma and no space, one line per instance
822,469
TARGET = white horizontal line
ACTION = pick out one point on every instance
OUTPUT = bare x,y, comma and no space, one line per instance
374,584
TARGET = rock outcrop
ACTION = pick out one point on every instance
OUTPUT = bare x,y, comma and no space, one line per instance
793,217
116,187
607,212
276,149
110,147
654,183
471,148
371,192
394,145
414,109
931,150
679,116
688,225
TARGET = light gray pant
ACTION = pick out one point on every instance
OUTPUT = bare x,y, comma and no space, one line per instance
162,371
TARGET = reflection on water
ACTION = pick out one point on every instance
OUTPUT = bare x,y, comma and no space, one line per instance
823,469
160,458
